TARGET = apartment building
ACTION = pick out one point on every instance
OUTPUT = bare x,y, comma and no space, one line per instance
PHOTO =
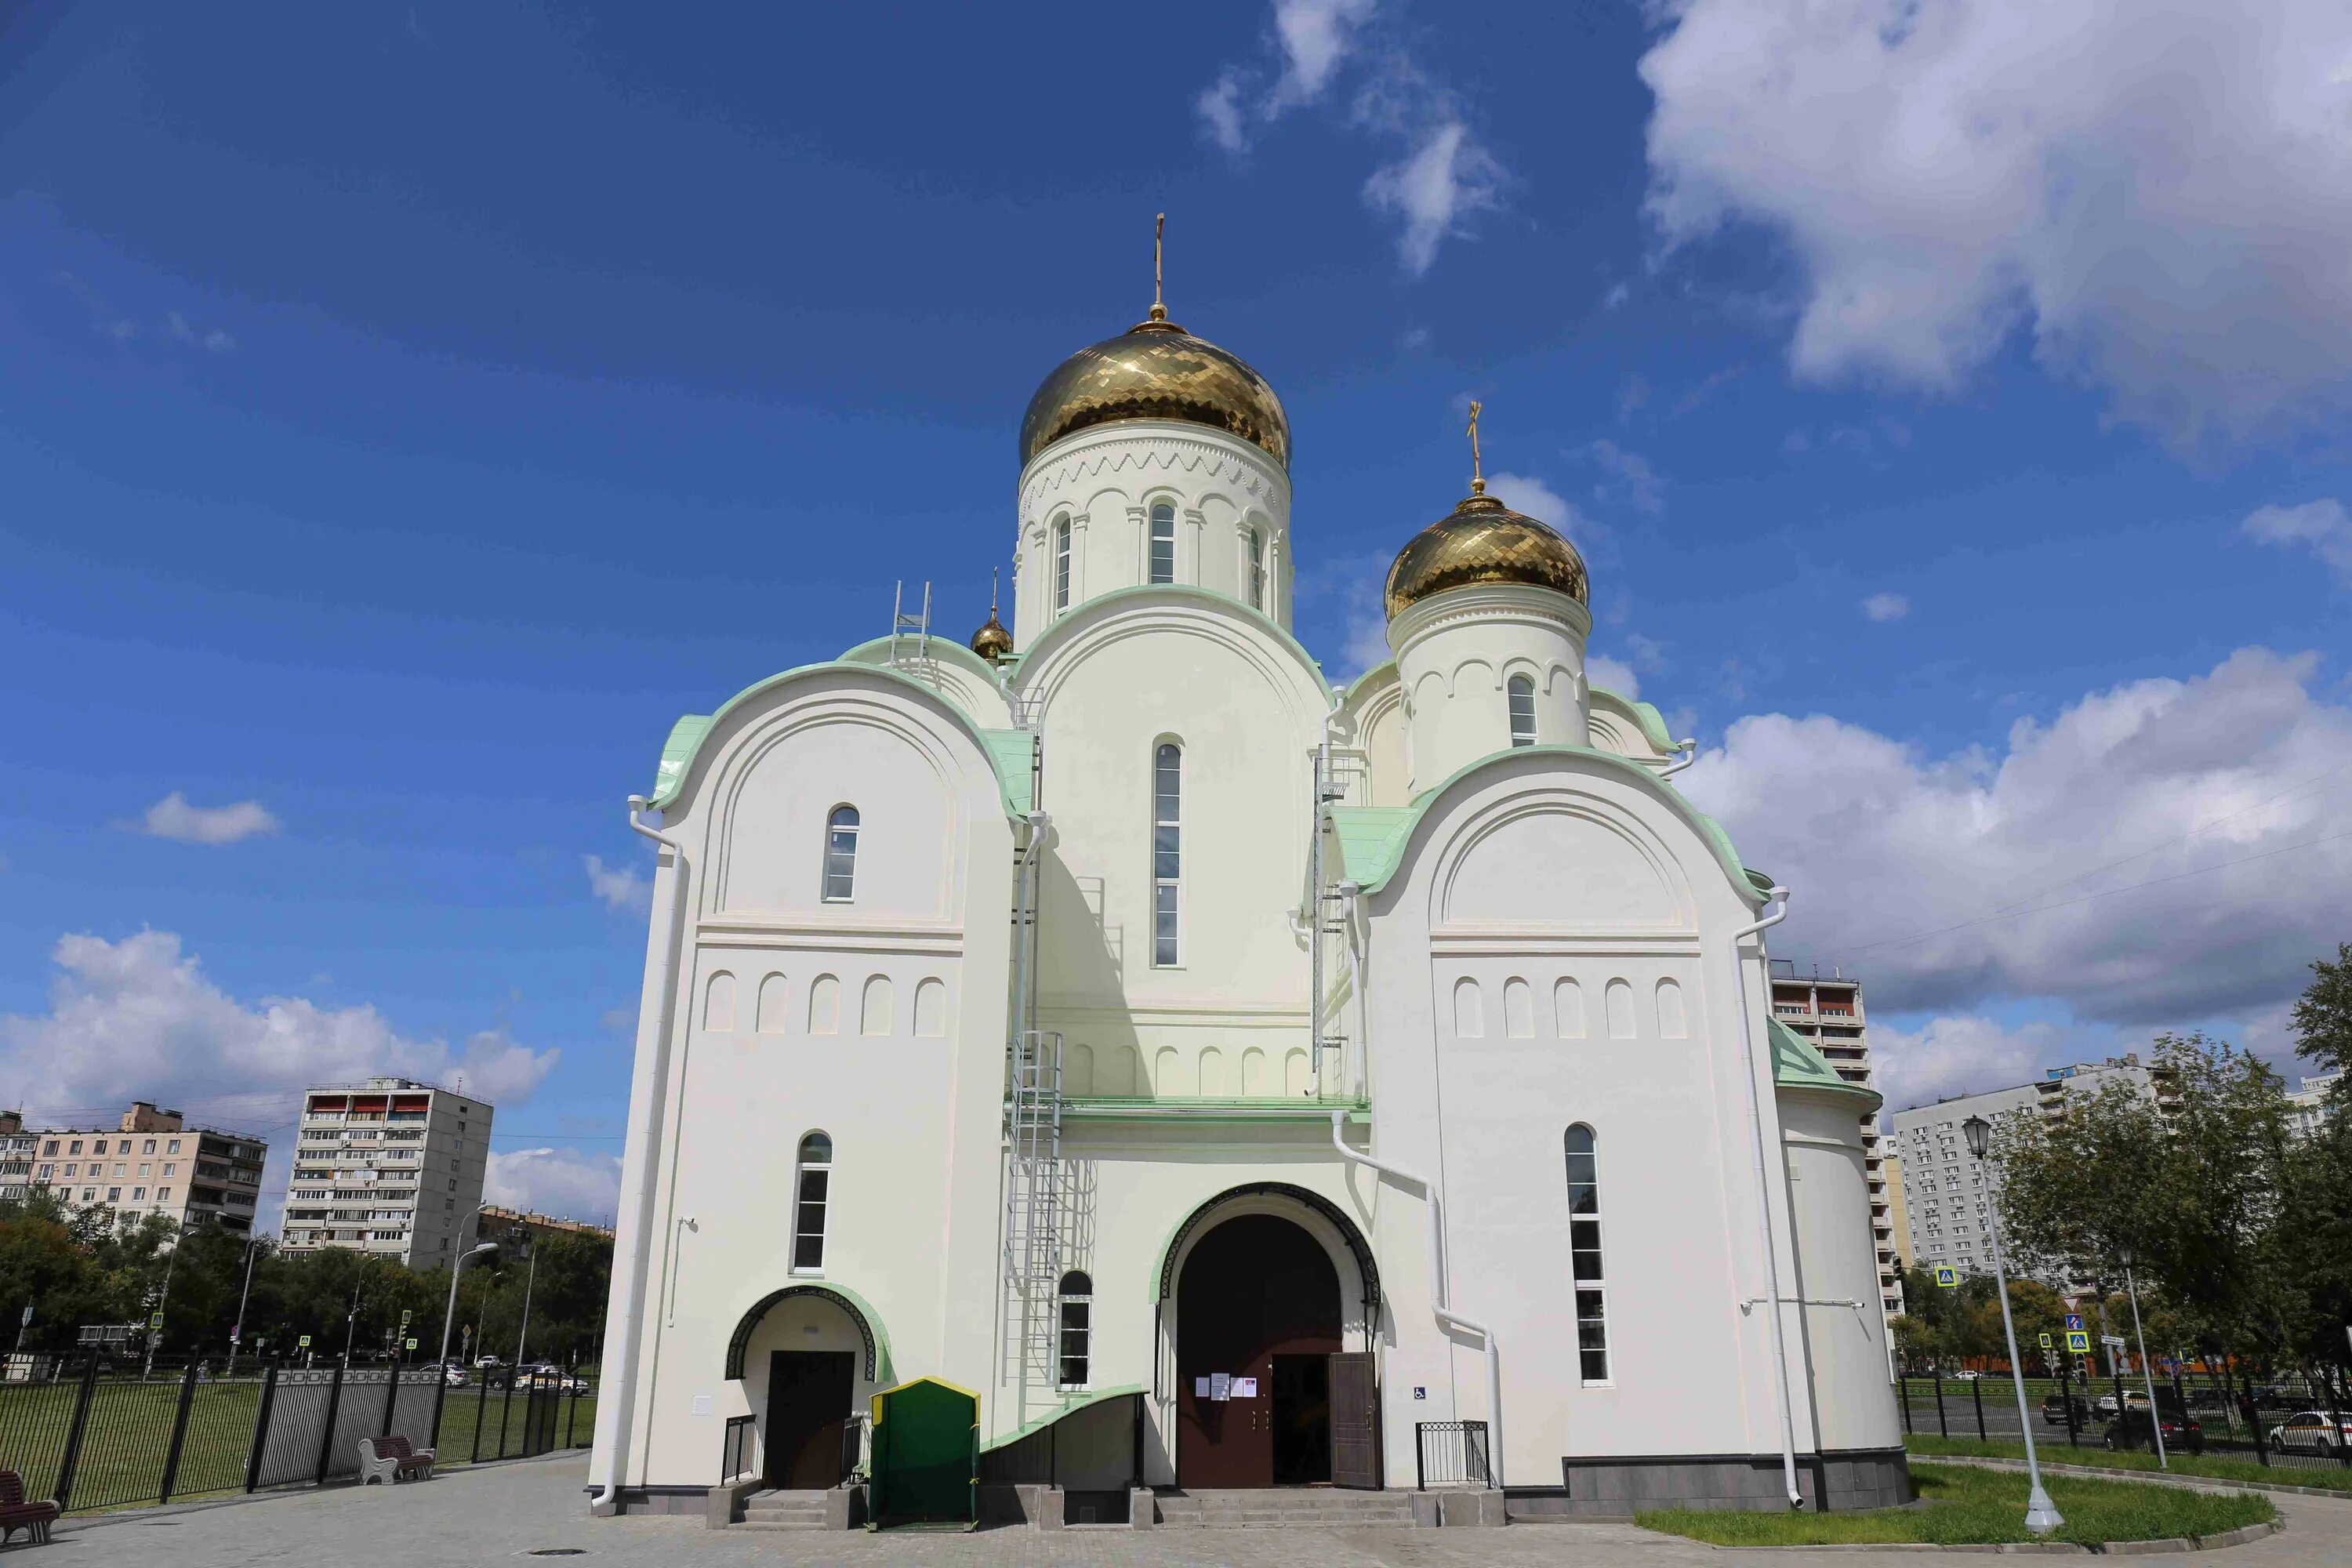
1944,1185
517,1227
2307,1108
18,1148
392,1167
1827,1013
150,1163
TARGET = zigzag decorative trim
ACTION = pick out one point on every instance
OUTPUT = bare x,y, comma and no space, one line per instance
1168,452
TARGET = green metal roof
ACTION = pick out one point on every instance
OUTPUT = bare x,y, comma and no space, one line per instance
1370,839
1069,1406
1014,754
1797,1065
1645,718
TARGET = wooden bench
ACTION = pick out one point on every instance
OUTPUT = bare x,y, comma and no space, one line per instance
33,1518
393,1460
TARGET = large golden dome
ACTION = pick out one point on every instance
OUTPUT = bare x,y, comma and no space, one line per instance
1155,371
1483,541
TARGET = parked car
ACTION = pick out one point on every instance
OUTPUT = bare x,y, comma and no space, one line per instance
2054,1410
454,1375
1964,1375
2138,1427
2315,1430
2134,1399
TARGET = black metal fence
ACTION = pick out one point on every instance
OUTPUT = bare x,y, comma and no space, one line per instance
1450,1454
97,1434
2296,1423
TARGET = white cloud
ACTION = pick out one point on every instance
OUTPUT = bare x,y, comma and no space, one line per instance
1535,498
2160,853
2322,525
1966,1054
1886,606
174,818
1629,480
621,886
2155,193
1613,675
1442,173
566,1182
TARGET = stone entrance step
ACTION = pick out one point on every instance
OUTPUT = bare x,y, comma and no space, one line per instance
1279,1507
782,1510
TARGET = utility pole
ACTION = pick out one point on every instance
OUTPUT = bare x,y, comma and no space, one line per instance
2041,1515
155,1327
522,1335
351,1322
237,1334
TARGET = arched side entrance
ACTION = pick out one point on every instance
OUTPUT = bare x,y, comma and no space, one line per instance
1257,1322
804,1354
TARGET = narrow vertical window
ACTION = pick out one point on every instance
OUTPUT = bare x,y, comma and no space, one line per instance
1077,1327
1167,790
1062,563
1523,711
840,854
1258,568
1163,542
1584,1256
811,1190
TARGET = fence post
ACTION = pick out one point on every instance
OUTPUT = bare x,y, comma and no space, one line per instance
481,1405
179,1433
506,1410
327,1436
1903,1388
572,1415
1419,1464
391,1397
1976,1388
2066,1397
74,1432
440,1399
261,1427
1943,1428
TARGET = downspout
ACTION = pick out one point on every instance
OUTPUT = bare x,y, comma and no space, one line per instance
1689,749
615,1416
1353,894
1446,1316
1024,1005
1764,1201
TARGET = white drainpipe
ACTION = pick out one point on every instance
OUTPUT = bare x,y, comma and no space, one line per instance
615,1416
1764,1198
1689,750
1446,1316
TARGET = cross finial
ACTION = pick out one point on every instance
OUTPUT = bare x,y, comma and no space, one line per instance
1158,233
1477,468
991,592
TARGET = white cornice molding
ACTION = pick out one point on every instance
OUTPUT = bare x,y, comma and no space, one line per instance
1145,444
739,928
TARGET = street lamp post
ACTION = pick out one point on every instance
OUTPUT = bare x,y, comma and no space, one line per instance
352,1321
2041,1515
237,1334
450,1316
2155,1416
163,1304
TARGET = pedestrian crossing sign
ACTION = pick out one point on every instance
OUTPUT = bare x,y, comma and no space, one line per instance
305,1341
412,1344
1947,1276
2045,1342
2077,1343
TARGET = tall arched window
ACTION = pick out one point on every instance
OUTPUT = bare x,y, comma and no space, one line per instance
1584,1256
811,1190
1523,709
840,854
1167,793
1078,1329
1163,542
1258,568
1062,563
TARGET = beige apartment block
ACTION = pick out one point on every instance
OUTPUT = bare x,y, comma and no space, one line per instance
150,1163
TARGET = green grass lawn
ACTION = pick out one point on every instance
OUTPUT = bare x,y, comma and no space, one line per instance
1967,1506
2220,1467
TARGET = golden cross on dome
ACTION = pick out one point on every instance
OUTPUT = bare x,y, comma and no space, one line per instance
1477,468
1159,232
991,592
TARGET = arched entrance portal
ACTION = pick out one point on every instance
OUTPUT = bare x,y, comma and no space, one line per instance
804,1354
1258,1325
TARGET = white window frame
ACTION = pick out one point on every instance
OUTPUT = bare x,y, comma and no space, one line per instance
1167,889
1061,562
1522,718
809,1162
1084,1301
1595,1284
833,827
1151,517
1253,568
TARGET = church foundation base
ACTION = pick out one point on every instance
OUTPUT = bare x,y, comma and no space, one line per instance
1620,1486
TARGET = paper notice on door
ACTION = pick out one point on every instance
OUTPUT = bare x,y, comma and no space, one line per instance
1200,1388
1244,1388
1221,1385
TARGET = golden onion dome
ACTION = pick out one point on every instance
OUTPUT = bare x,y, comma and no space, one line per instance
1156,370
1483,541
993,642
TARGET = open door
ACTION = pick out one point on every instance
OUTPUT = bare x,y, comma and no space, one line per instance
1355,1421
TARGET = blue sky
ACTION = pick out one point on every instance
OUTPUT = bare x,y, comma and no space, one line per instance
407,411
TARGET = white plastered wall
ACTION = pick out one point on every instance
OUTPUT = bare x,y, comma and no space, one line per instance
1837,1262
1457,651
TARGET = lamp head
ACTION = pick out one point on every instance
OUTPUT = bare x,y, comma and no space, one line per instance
1980,1135
480,1247
2123,1255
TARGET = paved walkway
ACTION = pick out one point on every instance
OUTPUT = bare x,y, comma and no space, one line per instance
503,1513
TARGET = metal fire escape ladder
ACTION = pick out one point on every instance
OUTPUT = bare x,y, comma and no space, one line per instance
910,637
1327,919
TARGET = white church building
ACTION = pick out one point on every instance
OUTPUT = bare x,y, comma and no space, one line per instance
1233,1081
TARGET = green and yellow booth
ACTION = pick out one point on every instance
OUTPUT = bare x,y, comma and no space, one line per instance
925,1463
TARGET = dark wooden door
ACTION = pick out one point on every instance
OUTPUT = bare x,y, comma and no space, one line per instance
808,1404
1355,1420
1258,1295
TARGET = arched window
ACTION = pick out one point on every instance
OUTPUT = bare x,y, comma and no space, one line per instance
1077,1327
812,1189
1062,563
1584,1256
1523,709
1258,568
840,854
1167,790
1163,542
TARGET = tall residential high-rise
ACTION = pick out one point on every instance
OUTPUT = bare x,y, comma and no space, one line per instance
2309,1107
392,1167
150,1163
1829,1014
1943,1185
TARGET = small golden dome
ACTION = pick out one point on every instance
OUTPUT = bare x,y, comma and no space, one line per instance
1156,370
1485,541
991,642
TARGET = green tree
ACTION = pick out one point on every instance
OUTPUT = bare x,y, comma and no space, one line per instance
2323,1017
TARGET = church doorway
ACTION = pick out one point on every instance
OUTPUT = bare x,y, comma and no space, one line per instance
1258,1325
808,1411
